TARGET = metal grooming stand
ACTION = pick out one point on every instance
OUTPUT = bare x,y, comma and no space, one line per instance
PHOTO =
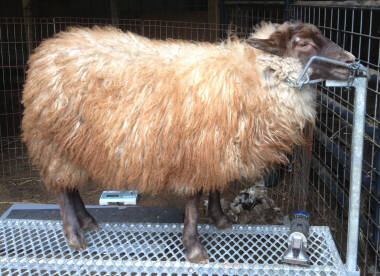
359,80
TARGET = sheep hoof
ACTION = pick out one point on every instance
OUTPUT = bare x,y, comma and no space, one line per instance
197,254
223,223
88,223
76,240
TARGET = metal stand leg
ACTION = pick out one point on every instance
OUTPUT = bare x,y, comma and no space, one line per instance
360,85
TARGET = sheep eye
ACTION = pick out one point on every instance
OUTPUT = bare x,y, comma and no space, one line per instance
303,44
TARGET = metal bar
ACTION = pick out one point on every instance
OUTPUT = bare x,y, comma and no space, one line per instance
375,229
356,168
316,58
352,66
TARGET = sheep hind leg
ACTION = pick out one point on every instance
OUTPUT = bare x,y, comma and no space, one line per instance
195,251
218,218
86,221
71,225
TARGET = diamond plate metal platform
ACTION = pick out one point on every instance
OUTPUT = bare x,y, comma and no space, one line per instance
35,247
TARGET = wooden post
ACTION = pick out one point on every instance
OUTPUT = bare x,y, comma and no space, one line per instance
27,13
302,161
213,18
114,12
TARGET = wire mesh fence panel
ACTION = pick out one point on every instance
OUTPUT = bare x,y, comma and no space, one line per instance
156,29
14,50
243,17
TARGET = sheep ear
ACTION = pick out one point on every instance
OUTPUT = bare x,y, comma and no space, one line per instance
265,45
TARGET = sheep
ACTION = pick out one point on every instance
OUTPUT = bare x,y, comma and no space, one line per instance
186,117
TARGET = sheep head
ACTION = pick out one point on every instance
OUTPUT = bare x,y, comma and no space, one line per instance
302,41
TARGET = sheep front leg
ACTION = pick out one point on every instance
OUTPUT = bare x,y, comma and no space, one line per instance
216,213
195,252
86,221
71,225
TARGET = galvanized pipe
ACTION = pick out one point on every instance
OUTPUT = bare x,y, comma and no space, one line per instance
360,85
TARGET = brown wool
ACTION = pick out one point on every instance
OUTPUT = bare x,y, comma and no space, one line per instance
129,112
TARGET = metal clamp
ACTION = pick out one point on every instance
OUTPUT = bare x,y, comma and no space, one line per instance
356,70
